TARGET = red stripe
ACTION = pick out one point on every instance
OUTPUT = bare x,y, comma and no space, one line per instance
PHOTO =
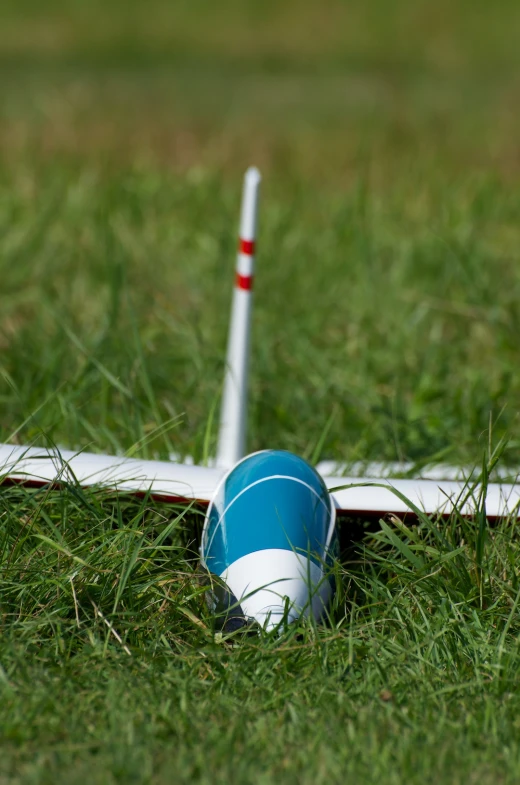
244,282
247,247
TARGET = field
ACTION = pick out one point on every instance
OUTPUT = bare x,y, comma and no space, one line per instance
386,325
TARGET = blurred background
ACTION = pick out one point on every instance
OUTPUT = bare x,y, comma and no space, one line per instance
387,312
304,85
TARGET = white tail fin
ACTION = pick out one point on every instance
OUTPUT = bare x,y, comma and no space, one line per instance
233,416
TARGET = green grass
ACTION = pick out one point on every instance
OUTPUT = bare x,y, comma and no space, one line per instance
386,307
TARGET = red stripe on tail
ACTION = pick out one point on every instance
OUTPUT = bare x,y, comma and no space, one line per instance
247,247
244,282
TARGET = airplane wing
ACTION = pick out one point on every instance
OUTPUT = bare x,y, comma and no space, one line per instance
163,480
365,496
176,482
409,470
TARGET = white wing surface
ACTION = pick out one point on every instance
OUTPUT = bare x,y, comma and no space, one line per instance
38,466
429,471
177,482
367,496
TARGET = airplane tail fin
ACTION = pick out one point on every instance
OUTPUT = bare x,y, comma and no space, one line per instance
233,415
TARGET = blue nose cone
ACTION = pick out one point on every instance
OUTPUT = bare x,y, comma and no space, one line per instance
269,533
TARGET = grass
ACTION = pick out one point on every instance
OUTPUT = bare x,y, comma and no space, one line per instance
386,327
111,670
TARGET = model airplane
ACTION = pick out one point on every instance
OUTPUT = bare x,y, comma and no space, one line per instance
269,532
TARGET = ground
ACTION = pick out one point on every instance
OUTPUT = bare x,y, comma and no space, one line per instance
386,326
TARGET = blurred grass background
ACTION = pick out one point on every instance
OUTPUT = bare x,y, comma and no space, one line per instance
387,135
301,86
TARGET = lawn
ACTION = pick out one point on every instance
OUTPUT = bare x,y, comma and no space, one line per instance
386,324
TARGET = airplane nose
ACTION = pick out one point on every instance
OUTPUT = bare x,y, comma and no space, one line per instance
268,536
275,585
